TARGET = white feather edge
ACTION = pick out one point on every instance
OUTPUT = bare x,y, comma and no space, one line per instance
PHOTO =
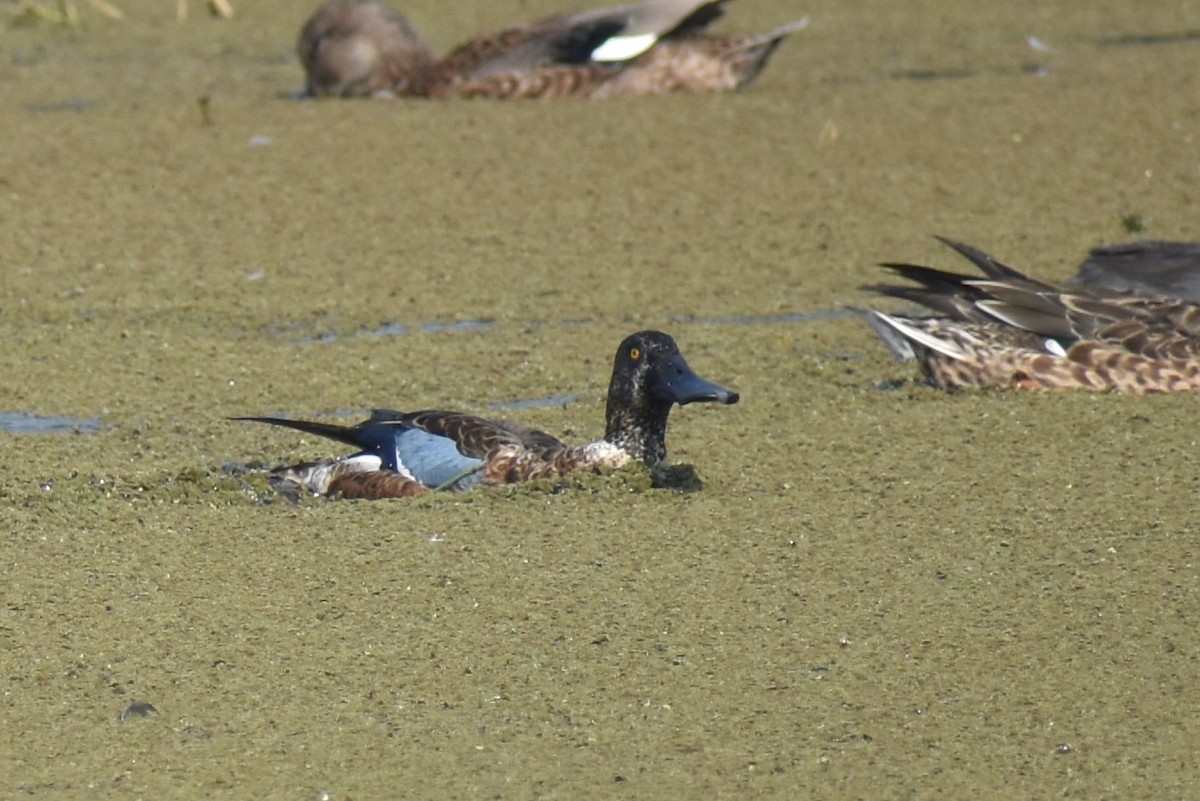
996,309
911,332
316,477
1055,348
629,46
623,48
923,338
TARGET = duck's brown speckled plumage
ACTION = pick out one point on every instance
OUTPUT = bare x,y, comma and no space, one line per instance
345,479
404,454
350,48
358,47
1010,330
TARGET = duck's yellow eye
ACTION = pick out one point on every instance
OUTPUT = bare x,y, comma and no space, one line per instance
635,354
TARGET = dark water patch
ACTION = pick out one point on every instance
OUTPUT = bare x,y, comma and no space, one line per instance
924,76
681,477
459,327
389,330
76,105
765,319
320,339
1149,39
841,355
25,423
962,73
137,709
891,385
394,330
933,74
402,329
473,326
550,401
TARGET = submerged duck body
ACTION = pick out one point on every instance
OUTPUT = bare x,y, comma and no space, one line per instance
409,453
360,47
1008,330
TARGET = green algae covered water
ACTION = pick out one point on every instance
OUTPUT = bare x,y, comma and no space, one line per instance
880,592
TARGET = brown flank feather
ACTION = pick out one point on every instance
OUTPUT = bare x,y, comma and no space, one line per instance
1011,331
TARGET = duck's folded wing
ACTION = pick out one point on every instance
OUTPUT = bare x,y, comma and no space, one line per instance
1161,268
520,50
441,448
534,441
610,35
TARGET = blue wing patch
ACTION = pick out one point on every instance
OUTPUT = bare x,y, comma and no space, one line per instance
432,459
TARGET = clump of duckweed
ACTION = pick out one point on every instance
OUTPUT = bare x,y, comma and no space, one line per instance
1133,223
233,484
629,479
213,485
679,477
224,485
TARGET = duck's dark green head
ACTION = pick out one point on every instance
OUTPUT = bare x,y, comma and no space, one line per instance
649,376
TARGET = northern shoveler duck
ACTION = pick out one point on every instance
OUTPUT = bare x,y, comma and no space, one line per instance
404,454
1162,268
357,47
1010,330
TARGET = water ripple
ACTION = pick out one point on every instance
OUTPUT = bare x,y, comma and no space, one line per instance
533,403
26,423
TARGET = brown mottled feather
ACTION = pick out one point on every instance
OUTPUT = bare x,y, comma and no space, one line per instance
513,452
355,48
694,65
544,83
373,485
997,329
510,465
475,436
989,358
358,47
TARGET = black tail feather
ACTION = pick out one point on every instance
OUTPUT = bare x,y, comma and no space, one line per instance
351,435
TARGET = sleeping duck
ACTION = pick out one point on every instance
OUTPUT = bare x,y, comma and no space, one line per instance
360,47
1006,329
